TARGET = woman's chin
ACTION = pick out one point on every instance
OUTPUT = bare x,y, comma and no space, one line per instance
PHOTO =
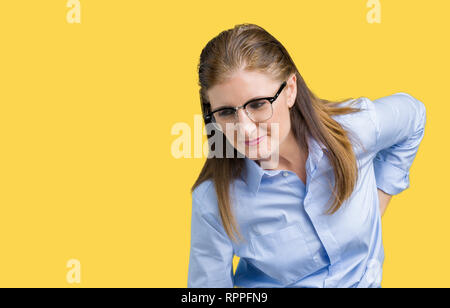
256,152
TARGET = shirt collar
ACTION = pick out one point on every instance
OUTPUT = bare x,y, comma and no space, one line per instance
255,173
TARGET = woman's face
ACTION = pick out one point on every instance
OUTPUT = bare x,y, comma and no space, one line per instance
243,86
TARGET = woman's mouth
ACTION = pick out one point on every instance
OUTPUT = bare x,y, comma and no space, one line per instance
254,141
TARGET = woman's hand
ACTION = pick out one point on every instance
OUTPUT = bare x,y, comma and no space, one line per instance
384,200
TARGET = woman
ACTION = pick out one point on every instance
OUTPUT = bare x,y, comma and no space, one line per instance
272,208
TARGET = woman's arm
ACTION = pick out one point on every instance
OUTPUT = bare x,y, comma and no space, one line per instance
400,123
384,200
211,252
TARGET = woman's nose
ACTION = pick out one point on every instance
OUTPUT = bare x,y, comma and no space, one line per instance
245,125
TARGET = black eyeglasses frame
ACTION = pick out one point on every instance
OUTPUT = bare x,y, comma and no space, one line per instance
209,116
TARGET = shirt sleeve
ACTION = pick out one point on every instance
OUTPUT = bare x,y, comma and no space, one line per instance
211,252
400,122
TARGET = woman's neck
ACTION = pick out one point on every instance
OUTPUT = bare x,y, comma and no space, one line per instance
290,156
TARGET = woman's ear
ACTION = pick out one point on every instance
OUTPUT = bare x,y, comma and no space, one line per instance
292,90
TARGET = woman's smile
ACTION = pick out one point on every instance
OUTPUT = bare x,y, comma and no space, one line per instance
254,141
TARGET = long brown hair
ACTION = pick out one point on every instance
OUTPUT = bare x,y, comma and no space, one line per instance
250,46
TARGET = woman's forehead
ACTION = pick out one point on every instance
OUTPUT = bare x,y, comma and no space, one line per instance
236,91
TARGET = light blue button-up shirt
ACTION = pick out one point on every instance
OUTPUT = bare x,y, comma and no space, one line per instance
289,240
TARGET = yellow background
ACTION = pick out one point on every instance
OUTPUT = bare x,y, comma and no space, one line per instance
86,112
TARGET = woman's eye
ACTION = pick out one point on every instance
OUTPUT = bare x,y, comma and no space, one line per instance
226,112
257,105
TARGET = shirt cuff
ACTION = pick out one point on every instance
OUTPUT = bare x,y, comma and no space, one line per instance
390,179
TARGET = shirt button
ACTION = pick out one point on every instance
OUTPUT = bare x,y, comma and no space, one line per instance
316,259
285,174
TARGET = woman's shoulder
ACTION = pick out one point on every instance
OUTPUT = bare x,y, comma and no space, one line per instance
359,125
203,190
204,197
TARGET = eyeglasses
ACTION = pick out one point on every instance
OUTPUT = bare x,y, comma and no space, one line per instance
258,110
